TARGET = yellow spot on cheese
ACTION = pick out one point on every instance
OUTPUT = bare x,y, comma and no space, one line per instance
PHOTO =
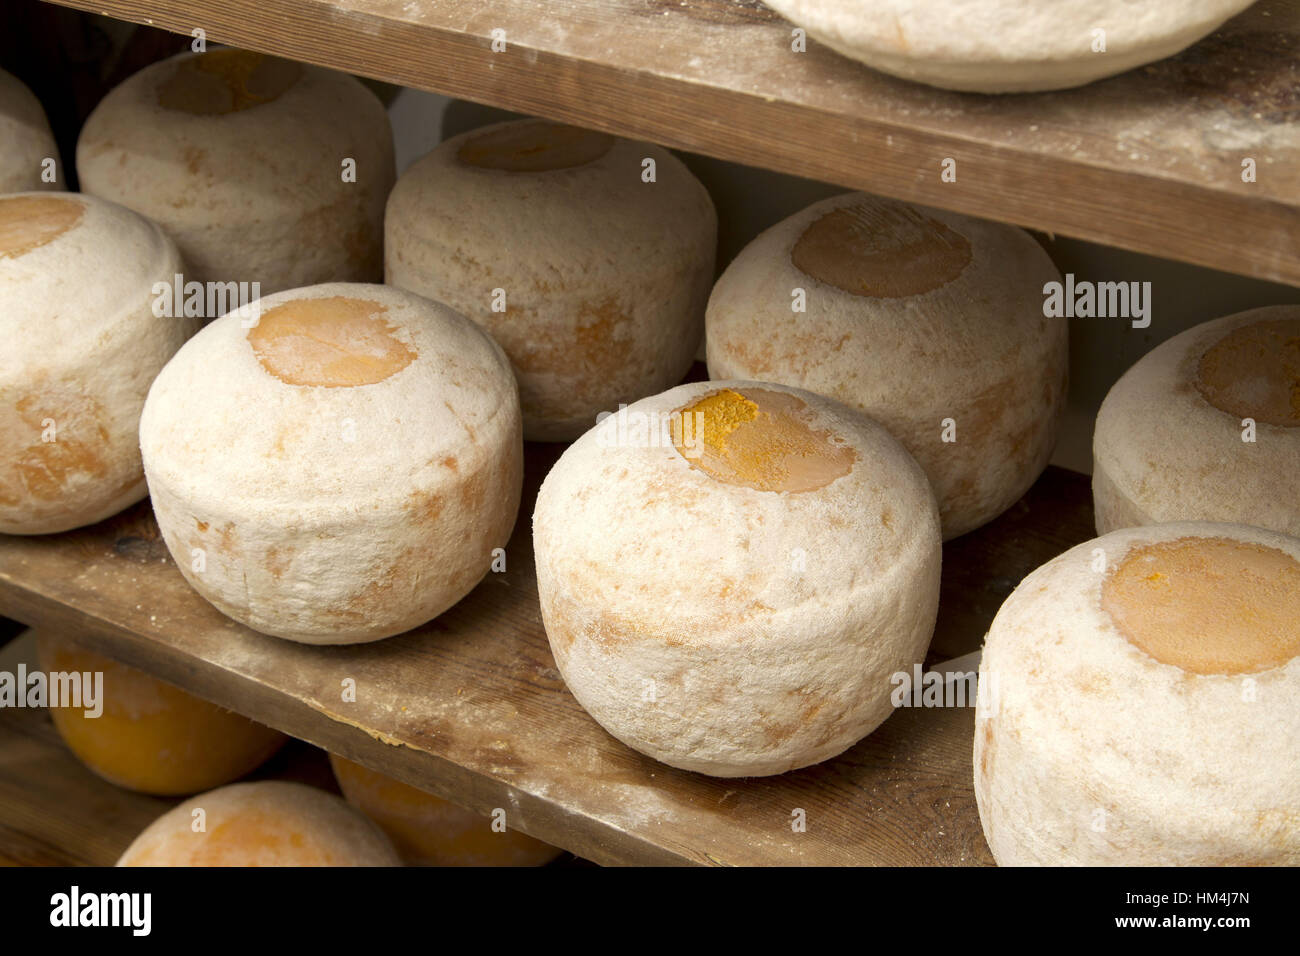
1254,372
151,736
534,146
227,81
1208,605
333,342
29,222
881,249
761,439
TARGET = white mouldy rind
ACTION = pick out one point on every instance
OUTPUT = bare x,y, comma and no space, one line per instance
728,626
344,512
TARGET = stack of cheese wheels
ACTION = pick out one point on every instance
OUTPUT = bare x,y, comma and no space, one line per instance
930,322
1137,703
1006,46
592,279
262,170
81,345
25,140
269,823
151,736
730,573
1206,427
429,831
340,471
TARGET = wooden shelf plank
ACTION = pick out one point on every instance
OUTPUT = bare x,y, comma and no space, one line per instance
470,706
1149,161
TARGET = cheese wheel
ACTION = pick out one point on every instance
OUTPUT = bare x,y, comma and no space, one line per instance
244,159
1006,46
151,736
82,345
930,322
268,823
593,280
340,471
1137,703
25,139
730,573
1206,427
430,831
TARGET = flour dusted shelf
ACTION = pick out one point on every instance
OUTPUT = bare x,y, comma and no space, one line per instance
1150,160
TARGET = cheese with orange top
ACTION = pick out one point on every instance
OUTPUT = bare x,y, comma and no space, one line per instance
268,823
151,736
1206,427
731,572
430,831
363,464
79,355
1137,703
262,170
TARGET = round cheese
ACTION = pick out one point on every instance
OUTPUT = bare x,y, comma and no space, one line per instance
25,139
1206,427
262,170
429,831
268,823
1006,46
930,322
151,736
731,572
82,344
592,279
335,464
1137,703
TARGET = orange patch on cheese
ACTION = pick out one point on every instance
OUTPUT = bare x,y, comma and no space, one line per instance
535,147
29,222
227,81
881,249
51,445
1208,605
334,342
760,439
1254,372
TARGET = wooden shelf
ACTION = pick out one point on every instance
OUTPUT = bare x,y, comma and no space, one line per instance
470,706
1149,160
